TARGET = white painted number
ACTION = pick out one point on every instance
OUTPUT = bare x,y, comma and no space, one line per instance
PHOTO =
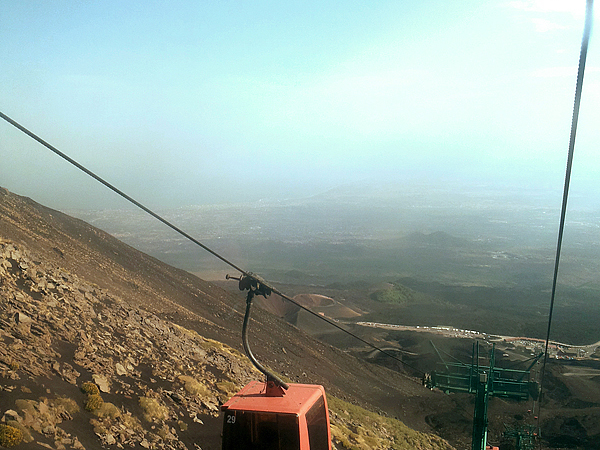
230,419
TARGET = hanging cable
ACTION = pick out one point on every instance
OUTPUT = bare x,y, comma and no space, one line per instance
186,235
578,90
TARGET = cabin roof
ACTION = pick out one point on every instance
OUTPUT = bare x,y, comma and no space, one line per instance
297,399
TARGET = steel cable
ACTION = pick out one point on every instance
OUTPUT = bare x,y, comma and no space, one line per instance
563,213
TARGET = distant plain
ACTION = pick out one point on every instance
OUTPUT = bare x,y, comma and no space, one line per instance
483,254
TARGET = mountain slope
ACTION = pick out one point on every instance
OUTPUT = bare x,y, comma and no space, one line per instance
77,303
60,332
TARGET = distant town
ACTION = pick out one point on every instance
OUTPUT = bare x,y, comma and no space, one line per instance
533,346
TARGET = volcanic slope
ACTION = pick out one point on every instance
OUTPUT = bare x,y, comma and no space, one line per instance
159,345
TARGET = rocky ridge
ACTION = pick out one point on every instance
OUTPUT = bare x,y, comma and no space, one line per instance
58,332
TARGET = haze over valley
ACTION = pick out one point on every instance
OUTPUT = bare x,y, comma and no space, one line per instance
478,246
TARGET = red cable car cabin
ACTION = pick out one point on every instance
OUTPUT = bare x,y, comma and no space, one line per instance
298,420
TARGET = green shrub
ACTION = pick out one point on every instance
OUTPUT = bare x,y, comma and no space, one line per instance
396,294
10,436
93,402
27,438
90,388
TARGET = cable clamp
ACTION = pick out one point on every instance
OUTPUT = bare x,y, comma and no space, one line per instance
254,284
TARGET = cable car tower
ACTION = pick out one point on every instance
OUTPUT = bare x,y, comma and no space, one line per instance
273,415
484,382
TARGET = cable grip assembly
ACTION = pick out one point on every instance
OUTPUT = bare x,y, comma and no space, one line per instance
256,286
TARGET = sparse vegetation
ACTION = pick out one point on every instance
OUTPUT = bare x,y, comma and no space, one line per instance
90,388
25,405
130,422
93,402
153,409
192,386
99,427
24,431
227,387
210,344
107,410
226,390
396,294
354,428
68,404
165,432
10,436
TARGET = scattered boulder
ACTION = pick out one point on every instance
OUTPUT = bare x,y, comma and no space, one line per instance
11,415
21,318
120,369
102,383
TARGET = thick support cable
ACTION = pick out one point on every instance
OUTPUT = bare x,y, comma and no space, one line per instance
563,213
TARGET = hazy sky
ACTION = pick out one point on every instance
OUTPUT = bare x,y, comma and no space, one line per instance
181,102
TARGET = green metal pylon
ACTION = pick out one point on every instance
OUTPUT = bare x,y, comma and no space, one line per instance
484,382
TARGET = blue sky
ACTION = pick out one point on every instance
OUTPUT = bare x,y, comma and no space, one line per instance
188,102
